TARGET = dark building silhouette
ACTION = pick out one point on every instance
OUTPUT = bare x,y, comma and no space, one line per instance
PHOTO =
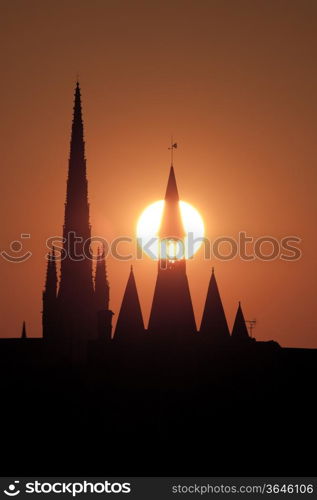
172,314
76,307
130,326
80,310
240,331
148,404
77,316
214,325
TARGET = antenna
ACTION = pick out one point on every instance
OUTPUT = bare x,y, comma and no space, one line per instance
171,148
251,324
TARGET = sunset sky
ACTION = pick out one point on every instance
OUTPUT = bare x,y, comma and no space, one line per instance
234,81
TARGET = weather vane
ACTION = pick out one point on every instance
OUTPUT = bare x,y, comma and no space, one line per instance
171,148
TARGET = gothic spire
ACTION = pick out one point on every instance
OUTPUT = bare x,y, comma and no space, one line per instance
77,208
171,193
240,331
172,314
214,324
76,300
101,282
130,324
77,145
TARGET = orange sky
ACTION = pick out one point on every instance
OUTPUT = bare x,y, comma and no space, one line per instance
234,81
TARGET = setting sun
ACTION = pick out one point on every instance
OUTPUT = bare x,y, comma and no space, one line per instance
149,224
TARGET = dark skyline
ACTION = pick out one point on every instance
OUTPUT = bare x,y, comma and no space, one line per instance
76,299
234,83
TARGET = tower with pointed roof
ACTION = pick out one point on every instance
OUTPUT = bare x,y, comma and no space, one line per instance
172,314
240,332
130,326
79,310
49,313
77,317
214,325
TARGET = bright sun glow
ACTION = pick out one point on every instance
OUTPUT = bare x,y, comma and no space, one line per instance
149,224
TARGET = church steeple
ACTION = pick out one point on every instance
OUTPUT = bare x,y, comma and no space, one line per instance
76,304
240,331
77,207
49,297
172,224
214,324
77,137
172,314
171,193
130,326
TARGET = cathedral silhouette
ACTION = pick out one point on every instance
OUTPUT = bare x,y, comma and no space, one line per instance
169,400
76,307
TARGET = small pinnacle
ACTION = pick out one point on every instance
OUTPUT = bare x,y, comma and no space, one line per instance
23,336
